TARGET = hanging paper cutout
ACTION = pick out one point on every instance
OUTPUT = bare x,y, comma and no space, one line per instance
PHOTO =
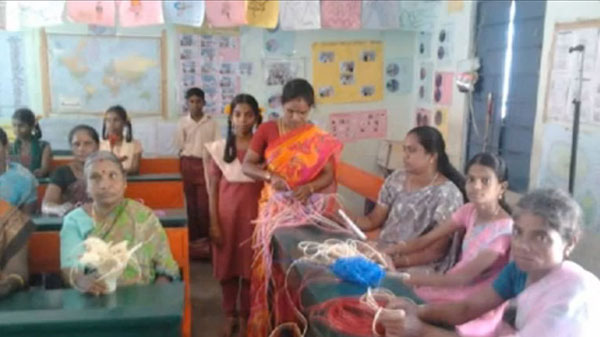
189,13
299,15
340,14
140,13
425,83
380,14
440,120
99,13
33,14
262,13
223,13
423,117
445,39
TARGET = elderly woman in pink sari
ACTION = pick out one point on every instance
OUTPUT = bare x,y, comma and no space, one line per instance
554,297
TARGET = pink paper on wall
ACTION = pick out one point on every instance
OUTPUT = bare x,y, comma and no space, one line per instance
226,13
442,92
134,13
351,126
341,14
99,13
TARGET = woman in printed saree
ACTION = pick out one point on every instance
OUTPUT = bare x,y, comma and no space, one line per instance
417,199
296,160
28,149
113,218
67,189
554,297
15,229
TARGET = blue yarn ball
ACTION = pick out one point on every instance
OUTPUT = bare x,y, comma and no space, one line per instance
358,270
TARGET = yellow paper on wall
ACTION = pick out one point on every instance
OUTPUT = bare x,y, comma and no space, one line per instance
345,72
440,120
455,6
262,13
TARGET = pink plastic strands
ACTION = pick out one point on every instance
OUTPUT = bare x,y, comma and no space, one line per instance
281,211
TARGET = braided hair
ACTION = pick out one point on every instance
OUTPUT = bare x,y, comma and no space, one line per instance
230,148
119,111
26,116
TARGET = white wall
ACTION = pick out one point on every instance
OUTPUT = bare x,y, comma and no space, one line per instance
559,12
360,153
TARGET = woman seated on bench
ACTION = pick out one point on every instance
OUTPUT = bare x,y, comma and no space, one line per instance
112,217
417,199
67,184
554,297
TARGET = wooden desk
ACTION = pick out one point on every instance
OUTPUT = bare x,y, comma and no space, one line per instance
151,310
169,218
137,178
44,250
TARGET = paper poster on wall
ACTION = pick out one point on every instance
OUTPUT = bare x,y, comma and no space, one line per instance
443,84
86,74
278,42
340,14
140,13
348,71
445,40
211,62
100,13
455,6
299,15
33,14
563,82
352,126
223,13
55,129
554,169
440,120
190,13
262,13
2,15
423,117
13,77
418,15
399,75
279,71
425,82
246,69
379,14
424,44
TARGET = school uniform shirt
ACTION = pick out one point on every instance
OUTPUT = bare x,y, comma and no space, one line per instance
130,150
191,135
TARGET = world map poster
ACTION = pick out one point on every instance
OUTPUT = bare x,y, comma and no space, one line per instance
87,74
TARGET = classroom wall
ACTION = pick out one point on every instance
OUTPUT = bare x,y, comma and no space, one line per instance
401,108
588,250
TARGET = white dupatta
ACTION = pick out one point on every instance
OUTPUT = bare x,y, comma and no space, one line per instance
564,303
231,171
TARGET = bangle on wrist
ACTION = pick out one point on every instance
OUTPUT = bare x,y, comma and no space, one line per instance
268,176
17,278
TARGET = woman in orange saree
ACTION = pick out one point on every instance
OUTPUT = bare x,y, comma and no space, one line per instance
297,161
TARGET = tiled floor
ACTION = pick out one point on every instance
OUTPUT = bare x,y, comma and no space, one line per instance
207,316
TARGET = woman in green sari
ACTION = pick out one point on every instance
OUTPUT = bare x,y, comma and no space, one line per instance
113,218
